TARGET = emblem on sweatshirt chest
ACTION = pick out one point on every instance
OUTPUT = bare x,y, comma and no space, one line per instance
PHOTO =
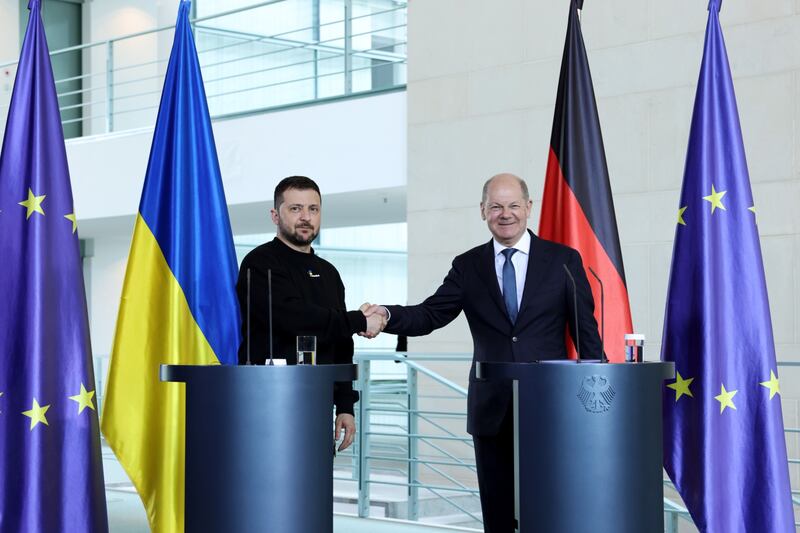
311,274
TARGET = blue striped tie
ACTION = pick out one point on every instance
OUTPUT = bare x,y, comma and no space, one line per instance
510,284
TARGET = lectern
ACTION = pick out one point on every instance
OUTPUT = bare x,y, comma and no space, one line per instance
588,445
259,446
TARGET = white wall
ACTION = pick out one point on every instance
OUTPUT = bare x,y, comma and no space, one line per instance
104,272
9,52
9,36
348,146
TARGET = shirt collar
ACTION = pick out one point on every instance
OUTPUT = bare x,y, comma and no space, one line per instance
522,245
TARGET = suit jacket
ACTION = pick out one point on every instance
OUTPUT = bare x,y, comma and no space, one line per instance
539,332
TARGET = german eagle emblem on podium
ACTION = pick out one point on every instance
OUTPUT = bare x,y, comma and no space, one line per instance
596,393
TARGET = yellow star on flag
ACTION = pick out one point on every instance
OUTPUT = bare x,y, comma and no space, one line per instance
36,414
772,384
71,218
681,387
725,399
84,399
33,204
715,198
680,216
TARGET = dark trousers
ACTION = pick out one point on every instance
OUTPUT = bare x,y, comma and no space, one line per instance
494,457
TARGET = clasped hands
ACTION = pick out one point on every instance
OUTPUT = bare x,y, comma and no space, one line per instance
377,318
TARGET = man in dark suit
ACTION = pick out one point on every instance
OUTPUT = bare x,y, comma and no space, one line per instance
518,301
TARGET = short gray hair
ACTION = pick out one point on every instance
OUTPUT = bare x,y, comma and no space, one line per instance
522,185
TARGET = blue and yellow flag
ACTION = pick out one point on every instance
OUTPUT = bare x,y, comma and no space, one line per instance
51,471
724,445
178,301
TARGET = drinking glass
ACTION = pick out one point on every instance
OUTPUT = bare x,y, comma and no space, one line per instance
306,350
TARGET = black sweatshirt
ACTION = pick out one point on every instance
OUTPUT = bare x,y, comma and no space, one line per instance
307,299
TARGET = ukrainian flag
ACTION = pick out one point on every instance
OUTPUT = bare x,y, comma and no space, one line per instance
178,301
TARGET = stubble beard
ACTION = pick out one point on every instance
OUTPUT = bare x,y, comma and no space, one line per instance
291,235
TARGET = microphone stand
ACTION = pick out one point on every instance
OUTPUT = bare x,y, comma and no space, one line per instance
248,318
269,299
575,304
603,358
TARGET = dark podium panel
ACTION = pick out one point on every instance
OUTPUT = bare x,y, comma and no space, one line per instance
259,446
588,449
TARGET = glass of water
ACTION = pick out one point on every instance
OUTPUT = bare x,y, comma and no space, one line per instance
306,350
634,347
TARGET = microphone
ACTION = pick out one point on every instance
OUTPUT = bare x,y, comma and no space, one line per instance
603,358
248,318
269,299
575,303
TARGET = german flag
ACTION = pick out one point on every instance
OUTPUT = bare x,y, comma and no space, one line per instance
577,207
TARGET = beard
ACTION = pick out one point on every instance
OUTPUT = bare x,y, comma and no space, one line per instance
291,234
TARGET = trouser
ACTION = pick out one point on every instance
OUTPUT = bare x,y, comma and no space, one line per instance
494,458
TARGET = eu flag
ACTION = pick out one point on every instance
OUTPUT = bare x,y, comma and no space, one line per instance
178,303
724,444
51,472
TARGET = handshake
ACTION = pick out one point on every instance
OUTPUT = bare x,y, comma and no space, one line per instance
377,318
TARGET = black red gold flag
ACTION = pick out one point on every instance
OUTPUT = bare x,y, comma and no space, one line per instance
577,206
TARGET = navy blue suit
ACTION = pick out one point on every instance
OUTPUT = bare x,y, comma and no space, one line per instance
545,312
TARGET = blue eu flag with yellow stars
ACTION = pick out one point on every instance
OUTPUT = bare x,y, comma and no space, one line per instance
724,445
51,474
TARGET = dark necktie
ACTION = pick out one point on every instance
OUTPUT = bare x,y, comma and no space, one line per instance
510,284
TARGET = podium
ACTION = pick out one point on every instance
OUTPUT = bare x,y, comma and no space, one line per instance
259,446
588,444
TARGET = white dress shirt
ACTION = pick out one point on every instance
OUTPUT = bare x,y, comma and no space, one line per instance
519,260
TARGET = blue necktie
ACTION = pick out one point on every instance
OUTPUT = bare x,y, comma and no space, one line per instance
510,284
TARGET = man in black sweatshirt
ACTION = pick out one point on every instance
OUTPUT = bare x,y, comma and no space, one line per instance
307,296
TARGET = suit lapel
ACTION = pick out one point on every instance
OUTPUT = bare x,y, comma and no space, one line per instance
538,263
488,274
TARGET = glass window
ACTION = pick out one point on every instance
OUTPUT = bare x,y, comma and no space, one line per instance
294,51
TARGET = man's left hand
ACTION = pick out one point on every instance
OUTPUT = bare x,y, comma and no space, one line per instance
347,423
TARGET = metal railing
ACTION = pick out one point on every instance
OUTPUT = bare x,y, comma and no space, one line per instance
338,49
413,459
